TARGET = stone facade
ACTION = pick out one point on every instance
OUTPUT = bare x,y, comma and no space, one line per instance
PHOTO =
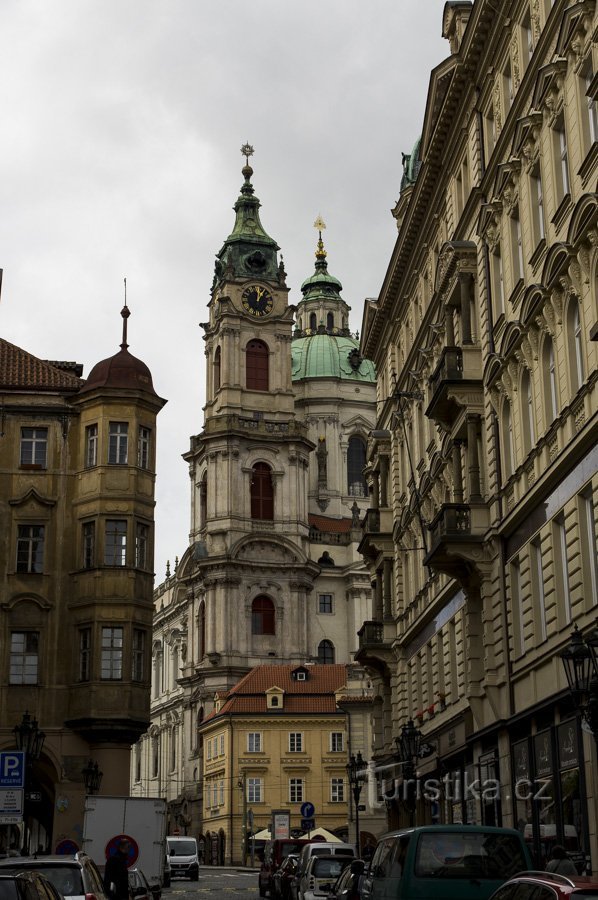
77,464
482,533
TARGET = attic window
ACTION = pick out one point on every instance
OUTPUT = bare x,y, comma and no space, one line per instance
274,701
301,676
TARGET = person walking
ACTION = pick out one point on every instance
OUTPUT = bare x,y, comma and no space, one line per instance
560,862
116,873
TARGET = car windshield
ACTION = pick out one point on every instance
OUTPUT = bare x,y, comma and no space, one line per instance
8,889
182,848
328,868
468,855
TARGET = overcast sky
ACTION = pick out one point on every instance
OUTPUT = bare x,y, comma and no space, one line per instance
122,124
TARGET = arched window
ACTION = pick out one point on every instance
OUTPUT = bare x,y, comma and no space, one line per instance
330,321
527,411
326,653
256,366
217,370
313,322
201,630
550,384
203,500
575,345
262,616
355,465
262,492
507,439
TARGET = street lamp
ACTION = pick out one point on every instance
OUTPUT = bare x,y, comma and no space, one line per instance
580,661
92,777
29,740
408,747
357,775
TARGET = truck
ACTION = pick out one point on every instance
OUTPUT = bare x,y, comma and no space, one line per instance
184,861
142,820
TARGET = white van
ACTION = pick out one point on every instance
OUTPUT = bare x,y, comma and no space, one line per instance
319,848
184,861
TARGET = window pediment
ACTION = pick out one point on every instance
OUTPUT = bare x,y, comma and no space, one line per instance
525,140
489,223
575,35
32,496
506,184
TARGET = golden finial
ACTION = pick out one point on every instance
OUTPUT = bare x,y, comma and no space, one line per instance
247,151
320,225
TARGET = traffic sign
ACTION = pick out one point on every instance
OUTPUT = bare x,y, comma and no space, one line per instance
12,769
307,810
113,844
11,804
308,824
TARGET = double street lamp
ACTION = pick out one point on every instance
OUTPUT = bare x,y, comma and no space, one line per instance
357,775
408,750
580,661
29,739
92,777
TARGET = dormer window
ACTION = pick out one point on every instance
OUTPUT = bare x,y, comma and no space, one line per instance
299,674
274,701
274,698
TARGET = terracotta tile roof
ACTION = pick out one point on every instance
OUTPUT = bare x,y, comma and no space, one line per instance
315,695
19,369
332,526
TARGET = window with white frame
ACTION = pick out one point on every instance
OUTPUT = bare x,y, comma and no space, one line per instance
337,744
84,654
295,742
143,447
118,443
24,657
537,573
516,247
562,567
91,446
30,548
89,545
112,654
337,790
221,745
221,791
561,159
34,447
517,606
295,790
254,742
115,543
138,655
589,549
537,205
208,749
141,545
254,790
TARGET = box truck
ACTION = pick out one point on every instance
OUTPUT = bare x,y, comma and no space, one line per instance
142,820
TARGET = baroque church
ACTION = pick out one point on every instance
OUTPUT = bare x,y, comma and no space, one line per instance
272,574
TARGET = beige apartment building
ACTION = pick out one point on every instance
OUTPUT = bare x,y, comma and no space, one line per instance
481,536
77,473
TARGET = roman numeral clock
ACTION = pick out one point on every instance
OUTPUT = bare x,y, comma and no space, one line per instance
257,300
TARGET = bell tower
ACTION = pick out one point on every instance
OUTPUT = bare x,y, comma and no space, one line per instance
248,561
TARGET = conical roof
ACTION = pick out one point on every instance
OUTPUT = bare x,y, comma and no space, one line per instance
123,370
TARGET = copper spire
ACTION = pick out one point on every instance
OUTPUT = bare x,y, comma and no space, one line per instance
125,313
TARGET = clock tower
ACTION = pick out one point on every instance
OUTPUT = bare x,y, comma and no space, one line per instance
248,565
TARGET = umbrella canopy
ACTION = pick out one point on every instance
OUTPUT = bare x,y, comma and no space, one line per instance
263,835
325,835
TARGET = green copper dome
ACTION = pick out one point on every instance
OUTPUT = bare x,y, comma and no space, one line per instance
321,283
330,356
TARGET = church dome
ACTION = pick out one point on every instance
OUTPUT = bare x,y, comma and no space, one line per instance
329,356
123,370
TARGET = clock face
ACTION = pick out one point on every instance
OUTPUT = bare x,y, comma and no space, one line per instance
256,300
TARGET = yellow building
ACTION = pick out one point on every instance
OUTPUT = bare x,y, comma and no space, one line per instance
77,472
278,739
481,539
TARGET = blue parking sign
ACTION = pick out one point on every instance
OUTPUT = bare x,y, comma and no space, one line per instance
12,769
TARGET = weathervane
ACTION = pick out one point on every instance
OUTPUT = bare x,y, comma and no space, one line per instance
247,151
320,224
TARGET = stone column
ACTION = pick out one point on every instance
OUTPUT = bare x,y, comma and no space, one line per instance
473,462
457,473
387,600
465,282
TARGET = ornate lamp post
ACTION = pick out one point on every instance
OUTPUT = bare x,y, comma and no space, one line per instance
30,740
580,661
92,777
357,775
408,747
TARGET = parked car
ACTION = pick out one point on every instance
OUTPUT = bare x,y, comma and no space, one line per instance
323,848
274,853
74,875
27,886
348,884
282,877
547,886
319,875
444,862
140,887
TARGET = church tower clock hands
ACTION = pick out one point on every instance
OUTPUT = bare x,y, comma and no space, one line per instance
248,563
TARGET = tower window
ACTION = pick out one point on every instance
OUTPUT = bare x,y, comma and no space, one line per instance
330,321
355,465
256,366
313,322
262,492
262,616
326,653
118,443
217,369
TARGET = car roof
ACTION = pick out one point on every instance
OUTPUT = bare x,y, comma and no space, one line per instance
468,829
56,859
571,881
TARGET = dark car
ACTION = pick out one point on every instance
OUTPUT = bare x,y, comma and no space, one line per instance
140,888
547,886
348,884
27,886
282,877
274,853
74,875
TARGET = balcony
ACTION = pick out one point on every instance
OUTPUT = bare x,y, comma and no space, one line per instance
375,645
458,373
457,533
377,533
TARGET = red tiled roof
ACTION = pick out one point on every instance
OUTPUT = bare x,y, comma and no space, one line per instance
19,369
331,526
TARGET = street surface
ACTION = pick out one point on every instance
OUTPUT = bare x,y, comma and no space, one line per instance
218,882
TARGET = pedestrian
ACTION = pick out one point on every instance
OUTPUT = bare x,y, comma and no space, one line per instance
560,862
116,873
